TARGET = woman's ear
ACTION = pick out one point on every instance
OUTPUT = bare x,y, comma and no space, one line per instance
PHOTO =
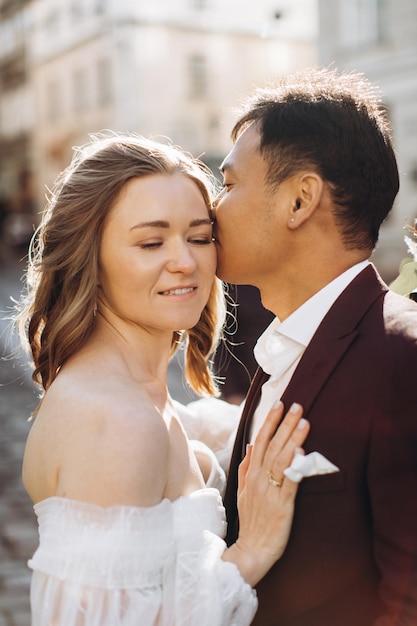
307,199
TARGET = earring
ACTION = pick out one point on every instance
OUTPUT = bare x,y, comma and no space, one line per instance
292,220
95,309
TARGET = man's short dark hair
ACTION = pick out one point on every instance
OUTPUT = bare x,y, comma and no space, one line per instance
334,124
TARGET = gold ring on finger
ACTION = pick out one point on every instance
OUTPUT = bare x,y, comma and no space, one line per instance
273,481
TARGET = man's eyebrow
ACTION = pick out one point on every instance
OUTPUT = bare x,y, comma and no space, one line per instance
164,224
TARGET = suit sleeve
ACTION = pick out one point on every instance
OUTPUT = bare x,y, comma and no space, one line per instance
392,476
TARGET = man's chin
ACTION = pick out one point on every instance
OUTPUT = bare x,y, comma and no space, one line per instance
223,270
226,276
220,270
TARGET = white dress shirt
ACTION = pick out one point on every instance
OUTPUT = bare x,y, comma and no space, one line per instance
281,346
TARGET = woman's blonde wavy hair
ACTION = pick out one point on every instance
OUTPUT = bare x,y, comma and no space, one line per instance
57,313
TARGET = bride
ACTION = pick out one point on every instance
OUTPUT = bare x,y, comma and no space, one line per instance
130,518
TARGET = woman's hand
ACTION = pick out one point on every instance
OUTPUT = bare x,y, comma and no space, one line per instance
265,496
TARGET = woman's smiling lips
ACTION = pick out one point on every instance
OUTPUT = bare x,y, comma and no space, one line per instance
177,291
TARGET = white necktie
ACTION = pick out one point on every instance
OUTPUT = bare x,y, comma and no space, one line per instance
277,354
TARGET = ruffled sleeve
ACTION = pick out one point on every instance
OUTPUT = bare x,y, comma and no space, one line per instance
214,423
217,477
211,592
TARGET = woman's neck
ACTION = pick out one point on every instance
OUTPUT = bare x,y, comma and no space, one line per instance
141,354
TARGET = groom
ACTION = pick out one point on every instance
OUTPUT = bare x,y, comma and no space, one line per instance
310,179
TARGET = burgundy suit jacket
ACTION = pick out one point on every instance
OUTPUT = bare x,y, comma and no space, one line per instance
352,555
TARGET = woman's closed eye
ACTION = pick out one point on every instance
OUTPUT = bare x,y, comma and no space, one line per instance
197,240
201,241
150,245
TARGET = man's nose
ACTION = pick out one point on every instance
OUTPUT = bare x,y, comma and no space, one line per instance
216,201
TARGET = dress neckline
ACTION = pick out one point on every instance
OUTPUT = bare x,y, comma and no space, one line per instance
164,502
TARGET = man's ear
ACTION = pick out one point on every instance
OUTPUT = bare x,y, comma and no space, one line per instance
308,193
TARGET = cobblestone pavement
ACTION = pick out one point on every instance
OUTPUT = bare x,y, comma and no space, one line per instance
18,531
18,534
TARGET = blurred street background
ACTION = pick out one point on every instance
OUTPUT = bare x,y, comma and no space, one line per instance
172,69
18,534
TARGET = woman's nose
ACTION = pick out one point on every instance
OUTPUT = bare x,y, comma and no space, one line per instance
182,259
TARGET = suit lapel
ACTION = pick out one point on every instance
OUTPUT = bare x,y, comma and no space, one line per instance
239,451
318,362
334,336
251,403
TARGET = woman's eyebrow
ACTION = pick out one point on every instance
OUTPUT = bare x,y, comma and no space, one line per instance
154,224
202,221
164,224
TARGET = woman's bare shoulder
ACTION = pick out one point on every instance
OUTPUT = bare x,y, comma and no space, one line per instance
103,440
88,394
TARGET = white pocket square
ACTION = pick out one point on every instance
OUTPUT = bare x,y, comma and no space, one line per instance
309,465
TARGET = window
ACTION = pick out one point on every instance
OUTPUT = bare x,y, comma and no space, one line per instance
361,22
79,84
199,5
104,82
77,11
52,23
12,34
198,76
100,7
53,100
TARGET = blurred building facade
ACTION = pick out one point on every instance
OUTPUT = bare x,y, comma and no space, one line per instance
379,38
172,68
16,121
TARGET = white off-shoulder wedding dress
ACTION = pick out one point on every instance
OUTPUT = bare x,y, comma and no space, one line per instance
132,566
150,566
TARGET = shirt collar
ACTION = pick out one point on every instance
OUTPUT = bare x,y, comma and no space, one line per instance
301,325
